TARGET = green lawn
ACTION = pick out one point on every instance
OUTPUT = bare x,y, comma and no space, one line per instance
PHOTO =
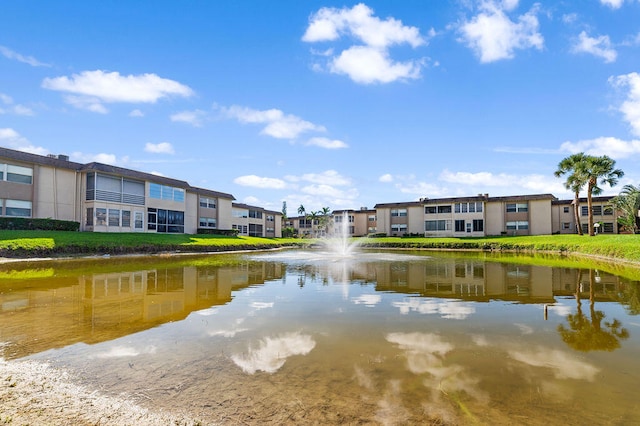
32,243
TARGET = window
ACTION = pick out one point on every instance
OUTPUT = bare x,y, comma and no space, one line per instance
430,209
468,207
518,225
372,218
207,222
114,217
459,225
138,222
240,213
597,210
478,225
89,218
337,219
469,227
256,214
399,227
255,230
608,210
101,217
566,209
584,210
517,207
126,218
566,225
607,228
164,192
437,225
398,212
17,174
352,219
271,218
472,207
242,229
209,203
116,189
169,221
444,209
17,208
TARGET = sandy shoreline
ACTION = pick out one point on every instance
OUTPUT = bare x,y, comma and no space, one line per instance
34,393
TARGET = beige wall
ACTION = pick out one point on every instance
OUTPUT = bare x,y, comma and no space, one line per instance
55,193
224,213
540,217
415,215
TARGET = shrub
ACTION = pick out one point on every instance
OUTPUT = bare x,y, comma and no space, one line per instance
32,224
225,232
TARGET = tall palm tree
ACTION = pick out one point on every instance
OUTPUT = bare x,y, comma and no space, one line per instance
599,170
324,218
573,166
628,203
301,210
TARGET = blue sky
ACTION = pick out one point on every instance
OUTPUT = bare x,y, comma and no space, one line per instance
322,103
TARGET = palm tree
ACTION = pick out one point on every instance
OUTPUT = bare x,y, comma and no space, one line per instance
313,216
573,166
599,170
301,210
628,202
324,218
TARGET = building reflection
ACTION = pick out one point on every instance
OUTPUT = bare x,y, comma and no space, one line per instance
44,313
474,280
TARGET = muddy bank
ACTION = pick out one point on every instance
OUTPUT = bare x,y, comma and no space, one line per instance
33,393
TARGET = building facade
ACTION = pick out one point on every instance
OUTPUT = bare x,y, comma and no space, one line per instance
105,198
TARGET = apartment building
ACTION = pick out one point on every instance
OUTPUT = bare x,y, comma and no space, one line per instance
106,198
355,223
604,215
481,215
256,221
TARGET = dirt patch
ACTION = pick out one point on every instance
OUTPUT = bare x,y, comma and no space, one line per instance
33,393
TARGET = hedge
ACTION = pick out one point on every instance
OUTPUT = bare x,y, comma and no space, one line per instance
31,224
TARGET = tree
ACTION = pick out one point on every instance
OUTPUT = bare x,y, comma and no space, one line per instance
301,210
284,211
599,170
628,203
324,218
573,166
313,216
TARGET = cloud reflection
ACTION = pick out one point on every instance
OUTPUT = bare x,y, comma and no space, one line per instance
370,300
272,352
564,365
124,352
449,309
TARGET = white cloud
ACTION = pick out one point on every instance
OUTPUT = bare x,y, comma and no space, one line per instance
367,65
329,24
195,118
277,124
11,108
330,192
260,182
515,183
449,309
136,113
326,143
386,178
613,4
272,353
328,177
493,36
630,108
159,148
90,89
104,158
600,47
10,54
613,147
87,103
369,62
12,139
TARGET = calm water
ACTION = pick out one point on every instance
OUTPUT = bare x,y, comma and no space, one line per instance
301,337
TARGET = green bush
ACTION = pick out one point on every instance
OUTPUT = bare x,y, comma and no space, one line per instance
225,232
30,224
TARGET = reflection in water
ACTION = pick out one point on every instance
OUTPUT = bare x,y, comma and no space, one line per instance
402,339
589,335
272,352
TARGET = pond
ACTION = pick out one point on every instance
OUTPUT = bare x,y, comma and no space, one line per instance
295,337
